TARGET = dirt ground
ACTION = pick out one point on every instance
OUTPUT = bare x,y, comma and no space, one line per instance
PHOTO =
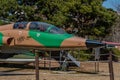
85,72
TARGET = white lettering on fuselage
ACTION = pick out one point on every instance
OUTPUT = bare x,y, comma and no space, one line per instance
38,34
20,32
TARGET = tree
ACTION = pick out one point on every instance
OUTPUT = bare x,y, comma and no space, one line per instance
7,8
86,16
96,18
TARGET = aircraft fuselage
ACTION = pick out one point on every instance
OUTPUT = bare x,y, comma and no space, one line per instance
41,35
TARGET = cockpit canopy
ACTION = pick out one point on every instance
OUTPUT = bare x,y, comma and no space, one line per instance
39,26
20,25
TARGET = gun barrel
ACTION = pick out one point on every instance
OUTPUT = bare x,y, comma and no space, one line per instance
94,43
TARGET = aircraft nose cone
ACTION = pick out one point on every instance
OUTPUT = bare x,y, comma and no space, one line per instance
94,43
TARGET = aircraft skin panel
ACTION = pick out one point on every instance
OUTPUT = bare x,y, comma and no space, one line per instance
5,40
1,39
21,38
74,42
49,40
6,27
41,35
37,39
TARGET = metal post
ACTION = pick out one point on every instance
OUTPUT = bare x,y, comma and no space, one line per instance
61,52
44,61
111,66
97,57
36,64
50,60
96,65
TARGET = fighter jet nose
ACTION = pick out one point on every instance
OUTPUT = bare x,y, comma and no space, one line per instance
94,43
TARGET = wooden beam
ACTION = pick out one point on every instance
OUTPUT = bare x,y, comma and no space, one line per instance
111,71
36,64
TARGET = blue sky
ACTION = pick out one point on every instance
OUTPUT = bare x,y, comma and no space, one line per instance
111,3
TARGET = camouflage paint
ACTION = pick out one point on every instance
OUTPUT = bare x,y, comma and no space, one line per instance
49,39
1,39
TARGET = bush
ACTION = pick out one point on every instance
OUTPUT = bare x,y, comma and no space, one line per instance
116,53
81,54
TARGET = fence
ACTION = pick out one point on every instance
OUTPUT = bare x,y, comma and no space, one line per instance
88,70
107,69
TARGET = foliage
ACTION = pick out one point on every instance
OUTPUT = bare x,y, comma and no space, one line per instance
116,51
1,22
88,16
7,9
81,54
